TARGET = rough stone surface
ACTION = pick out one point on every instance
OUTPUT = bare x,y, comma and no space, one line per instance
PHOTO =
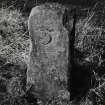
49,53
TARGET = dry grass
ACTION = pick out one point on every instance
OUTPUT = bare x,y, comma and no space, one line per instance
15,42
14,37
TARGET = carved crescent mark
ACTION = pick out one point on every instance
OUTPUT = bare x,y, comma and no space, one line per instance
46,40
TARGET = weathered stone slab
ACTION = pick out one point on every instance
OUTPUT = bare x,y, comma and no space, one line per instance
48,64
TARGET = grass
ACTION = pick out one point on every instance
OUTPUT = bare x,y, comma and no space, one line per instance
92,41
15,43
14,37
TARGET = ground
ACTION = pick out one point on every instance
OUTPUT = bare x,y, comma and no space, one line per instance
14,53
